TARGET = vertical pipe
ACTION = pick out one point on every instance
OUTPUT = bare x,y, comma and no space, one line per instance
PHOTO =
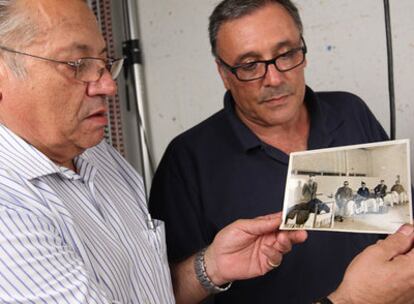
391,89
134,60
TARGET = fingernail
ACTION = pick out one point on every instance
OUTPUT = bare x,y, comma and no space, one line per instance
406,229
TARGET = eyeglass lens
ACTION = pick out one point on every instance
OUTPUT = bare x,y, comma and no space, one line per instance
92,69
284,62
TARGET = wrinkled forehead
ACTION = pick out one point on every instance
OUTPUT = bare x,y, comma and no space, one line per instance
64,21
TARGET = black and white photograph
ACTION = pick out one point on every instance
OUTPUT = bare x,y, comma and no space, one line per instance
361,188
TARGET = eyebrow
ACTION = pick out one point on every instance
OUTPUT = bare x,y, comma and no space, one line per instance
85,48
277,47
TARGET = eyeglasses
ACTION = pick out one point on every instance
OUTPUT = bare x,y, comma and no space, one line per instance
87,69
257,69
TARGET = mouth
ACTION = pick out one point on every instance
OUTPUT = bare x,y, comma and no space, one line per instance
276,100
99,117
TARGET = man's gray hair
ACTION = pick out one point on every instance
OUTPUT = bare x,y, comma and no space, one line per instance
228,10
17,30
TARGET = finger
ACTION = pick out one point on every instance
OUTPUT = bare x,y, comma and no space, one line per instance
398,243
260,226
411,254
283,243
286,239
273,257
297,236
271,216
272,265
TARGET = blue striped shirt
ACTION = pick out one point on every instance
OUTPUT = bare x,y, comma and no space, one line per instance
69,237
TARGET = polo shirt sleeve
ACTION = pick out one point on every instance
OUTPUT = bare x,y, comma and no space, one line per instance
175,199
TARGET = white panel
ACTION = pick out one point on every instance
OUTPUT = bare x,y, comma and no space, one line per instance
403,39
347,50
183,86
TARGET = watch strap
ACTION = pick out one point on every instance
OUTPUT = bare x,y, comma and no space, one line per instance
203,278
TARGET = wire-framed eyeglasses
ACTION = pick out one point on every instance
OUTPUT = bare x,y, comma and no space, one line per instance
257,69
87,69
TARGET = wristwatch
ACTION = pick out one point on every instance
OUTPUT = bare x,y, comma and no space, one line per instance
323,300
202,277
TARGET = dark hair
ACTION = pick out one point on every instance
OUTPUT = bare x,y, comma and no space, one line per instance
228,10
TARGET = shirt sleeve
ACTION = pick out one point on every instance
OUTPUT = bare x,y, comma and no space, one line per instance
37,266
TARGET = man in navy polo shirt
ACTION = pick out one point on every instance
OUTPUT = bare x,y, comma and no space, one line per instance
234,164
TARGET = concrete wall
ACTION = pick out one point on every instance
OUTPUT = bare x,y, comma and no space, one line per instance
347,51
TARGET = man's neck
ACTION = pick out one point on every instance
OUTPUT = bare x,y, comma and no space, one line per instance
288,137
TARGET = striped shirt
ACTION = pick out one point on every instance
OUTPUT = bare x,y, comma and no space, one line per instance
83,237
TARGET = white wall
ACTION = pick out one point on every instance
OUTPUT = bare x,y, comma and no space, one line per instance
347,51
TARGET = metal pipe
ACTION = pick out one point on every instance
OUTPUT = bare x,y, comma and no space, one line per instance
132,50
391,88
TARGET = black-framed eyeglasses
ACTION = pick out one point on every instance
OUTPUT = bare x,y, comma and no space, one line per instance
257,69
87,69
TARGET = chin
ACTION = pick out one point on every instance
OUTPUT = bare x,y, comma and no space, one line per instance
286,115
92,140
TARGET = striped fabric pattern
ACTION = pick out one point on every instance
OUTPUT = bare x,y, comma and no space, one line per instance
69,237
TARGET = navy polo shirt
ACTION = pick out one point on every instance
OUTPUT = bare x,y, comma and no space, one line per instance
219,171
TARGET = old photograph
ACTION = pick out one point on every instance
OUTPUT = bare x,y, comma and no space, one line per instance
361,188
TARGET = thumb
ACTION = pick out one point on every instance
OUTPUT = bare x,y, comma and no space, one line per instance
398,243
262,225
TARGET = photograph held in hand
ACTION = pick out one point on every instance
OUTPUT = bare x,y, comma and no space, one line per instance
360,188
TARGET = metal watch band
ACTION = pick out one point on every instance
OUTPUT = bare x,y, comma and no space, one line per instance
324,300
202,277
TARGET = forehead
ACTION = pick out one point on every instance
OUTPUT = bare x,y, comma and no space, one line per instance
268,28
65,24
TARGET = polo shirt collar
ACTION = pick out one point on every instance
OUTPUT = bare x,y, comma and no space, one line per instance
322,117
247,138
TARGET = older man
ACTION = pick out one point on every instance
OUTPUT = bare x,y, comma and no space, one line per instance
234,164
74,226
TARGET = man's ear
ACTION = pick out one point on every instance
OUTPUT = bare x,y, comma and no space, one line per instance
223,74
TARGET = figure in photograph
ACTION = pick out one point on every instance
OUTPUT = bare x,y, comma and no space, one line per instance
381,189
362,193
342,196
397,187
309,189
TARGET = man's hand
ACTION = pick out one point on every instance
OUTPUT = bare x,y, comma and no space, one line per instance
248,248
382,273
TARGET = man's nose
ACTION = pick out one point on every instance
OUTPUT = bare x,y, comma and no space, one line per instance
103,86
273,77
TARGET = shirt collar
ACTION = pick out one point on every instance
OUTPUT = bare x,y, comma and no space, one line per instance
247,138
19,156
322,116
